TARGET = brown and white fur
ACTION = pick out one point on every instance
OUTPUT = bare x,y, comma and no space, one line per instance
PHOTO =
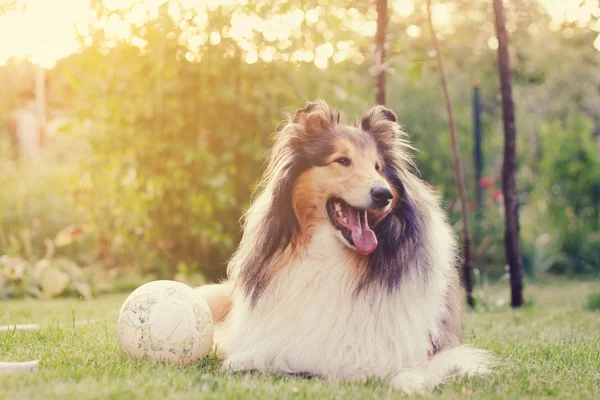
304,298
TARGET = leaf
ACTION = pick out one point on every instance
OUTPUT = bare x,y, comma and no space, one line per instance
34,291
54,282
84,289
66,236
69,266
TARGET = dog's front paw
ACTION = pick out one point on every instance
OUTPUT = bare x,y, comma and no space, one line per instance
412,382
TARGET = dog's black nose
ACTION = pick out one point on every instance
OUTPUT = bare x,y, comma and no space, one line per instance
381,197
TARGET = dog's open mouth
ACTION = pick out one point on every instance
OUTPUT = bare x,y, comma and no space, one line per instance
353,224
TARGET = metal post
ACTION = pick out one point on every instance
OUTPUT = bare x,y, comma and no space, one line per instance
477,154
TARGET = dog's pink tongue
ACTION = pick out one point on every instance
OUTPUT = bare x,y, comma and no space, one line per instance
363,237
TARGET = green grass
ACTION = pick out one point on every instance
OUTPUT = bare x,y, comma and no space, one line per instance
549,349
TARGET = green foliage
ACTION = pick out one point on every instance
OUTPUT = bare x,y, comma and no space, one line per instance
540,256
8,6
46,246
166,130
38,259
593,302
176,155
570,169
36,201
569,183
44,279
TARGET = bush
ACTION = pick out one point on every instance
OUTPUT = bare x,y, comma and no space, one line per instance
176,155
580,247
569,194
43,239
46,278
36,201
169,128
593,302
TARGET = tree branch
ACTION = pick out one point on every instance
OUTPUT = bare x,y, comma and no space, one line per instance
460,179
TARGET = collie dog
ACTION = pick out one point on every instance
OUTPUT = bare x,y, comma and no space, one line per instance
347,268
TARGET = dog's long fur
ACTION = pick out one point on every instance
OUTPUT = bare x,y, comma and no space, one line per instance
301,299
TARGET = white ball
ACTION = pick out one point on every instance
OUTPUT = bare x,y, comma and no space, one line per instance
165,321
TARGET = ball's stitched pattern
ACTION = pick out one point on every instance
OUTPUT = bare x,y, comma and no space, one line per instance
165,322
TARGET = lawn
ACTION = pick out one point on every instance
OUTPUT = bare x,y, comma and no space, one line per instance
551,348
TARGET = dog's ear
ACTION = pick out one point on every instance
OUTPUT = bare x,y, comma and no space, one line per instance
374,118
382,124
316,117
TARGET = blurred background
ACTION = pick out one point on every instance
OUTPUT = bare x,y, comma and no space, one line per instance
152,120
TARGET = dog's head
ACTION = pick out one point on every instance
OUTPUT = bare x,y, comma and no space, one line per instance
352,178
343,176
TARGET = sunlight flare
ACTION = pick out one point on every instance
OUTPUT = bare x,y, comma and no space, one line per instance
44,33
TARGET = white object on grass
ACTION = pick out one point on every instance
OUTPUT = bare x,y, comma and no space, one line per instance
165,321
19,327
11,367
34,327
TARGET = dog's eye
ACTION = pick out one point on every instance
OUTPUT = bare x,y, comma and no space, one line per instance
345,161
377,167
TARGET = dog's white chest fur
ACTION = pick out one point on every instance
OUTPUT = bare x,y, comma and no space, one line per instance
310,319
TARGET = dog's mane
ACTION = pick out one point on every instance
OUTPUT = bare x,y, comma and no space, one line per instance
401,234
271,225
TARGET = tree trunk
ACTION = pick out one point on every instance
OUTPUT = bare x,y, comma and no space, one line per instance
511,217
379,67
460,179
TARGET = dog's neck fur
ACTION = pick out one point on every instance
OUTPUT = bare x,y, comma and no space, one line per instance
300,322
